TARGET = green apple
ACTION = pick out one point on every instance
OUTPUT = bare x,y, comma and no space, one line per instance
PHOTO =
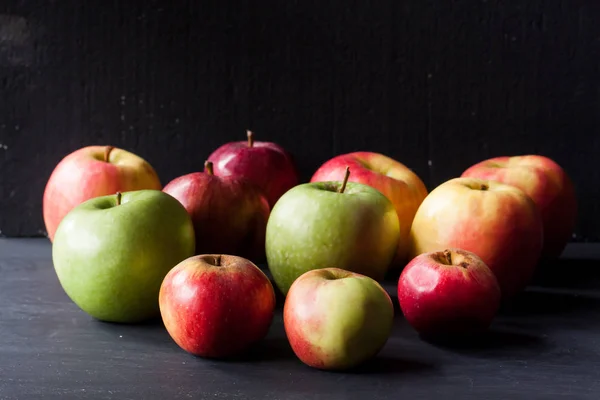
333,224
111,253
336,319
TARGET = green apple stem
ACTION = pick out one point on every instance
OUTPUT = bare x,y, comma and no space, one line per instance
250,138
118,198
345,181
208,167
107,151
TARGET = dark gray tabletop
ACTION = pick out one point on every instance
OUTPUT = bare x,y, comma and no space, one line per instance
544,345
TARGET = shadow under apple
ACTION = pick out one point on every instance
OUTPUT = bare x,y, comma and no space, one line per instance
489,344
268,349
537,301
390,365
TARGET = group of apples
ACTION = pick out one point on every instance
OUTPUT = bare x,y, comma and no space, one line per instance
126,249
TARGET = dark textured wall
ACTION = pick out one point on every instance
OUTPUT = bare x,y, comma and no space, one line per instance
438,85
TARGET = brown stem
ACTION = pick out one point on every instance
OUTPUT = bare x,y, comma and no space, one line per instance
345,181
217,261
107,151
208,167
484,187
448,256
250,138
118,198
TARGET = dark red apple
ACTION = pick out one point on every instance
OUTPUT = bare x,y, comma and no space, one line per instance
448,292
216,305
229,214
265,164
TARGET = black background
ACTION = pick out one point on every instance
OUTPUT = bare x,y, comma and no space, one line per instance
438,85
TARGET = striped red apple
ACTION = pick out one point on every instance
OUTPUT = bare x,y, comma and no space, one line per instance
216,306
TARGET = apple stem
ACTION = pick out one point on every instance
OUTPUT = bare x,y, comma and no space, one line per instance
345,181
217,261
107,151
484,187
448,256
208,167
118,198
250,138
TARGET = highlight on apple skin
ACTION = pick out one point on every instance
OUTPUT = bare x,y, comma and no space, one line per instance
216,305
395,180
447,293
336,319
498,222
90,172
548,185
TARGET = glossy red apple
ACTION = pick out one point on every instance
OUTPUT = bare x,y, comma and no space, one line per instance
549,187
229,214
498,222
396,181
265,164
448,292
216,306
90,172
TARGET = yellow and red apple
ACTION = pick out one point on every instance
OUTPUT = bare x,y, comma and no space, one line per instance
336,319
497,222
90,172
549,187
396,181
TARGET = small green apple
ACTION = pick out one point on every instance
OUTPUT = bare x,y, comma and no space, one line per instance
336,319
344,225
111,253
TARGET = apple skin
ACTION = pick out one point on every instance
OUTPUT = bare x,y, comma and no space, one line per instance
84,174
216,306
336,319
549,187
230,215
265,164
396,181
313,226
448,292
500,224
111,259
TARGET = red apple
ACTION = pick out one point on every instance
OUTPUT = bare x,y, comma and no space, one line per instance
265,164
498,222
448,292
229,214
396,181
336,319
90,172
216,305
549,187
